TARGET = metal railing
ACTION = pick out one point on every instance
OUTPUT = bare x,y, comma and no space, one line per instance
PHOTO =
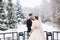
9,36
55,35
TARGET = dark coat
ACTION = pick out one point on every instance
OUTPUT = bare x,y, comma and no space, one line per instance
29,24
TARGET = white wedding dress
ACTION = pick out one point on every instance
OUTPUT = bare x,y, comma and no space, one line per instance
37,32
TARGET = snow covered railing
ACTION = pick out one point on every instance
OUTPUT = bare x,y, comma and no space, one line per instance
55,35
9,36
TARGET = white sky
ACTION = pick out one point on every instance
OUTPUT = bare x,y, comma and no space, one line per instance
30,3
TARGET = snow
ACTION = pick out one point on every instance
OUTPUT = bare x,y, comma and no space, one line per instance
21,28
49,27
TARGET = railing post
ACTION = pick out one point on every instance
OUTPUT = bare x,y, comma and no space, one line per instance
4,35
12,36
53,36
25,34
48,34
21,34
17,36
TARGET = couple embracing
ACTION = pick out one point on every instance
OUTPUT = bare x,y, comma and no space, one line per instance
34,28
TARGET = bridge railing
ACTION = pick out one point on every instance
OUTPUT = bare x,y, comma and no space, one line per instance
55,35
9,36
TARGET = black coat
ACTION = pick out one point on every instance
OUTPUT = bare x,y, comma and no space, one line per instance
29,24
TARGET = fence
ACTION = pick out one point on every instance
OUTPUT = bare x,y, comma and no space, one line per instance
9,36
55,35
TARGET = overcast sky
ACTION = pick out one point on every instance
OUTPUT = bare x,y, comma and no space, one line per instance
30,3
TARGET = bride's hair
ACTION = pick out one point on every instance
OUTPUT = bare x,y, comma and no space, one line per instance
36,17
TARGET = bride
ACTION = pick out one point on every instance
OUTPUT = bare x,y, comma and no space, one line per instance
37,33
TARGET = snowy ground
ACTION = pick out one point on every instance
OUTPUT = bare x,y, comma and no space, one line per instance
21,28
49,27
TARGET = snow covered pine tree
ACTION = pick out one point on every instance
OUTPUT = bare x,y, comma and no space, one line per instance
3,19
11,15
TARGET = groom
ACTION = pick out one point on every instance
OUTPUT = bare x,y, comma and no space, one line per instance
29,23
